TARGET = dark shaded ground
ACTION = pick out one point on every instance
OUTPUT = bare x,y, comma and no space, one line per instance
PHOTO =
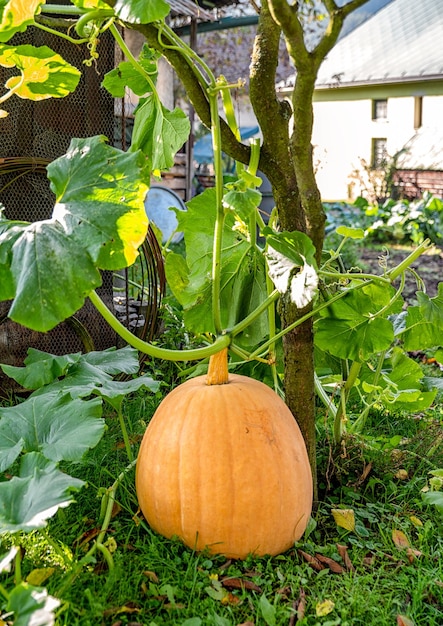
429,266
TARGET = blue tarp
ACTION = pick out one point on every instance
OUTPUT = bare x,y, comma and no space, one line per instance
203,146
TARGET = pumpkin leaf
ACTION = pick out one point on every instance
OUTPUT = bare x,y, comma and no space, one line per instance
140,11
90,4
243,279
57,426
125,75
424,323
350,328
16,16
32,605
43,73
41,368
28,500
99,221
6,559
158,132
351,233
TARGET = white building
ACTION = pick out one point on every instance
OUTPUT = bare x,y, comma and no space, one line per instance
379,87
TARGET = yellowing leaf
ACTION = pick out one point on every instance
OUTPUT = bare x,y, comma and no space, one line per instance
38,576
344,518
400,539
416,521
324,608
402,474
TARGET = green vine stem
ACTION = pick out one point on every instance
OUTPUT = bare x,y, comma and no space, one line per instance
156,352
395,272
340,415
3,592
359,423
128,54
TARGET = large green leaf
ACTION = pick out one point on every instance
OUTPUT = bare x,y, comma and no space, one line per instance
141,11
350,328
32,606
243,277
424,323
126,75
16,16
43,73
100,193
59,427
81,375
400,386
158,132
40,368
52,275
99,221
28,500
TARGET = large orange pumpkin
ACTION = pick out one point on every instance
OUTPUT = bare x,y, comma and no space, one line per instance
223,466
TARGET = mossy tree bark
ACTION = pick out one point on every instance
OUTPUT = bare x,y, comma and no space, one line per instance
286,159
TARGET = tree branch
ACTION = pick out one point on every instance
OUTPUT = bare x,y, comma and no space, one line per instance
195,91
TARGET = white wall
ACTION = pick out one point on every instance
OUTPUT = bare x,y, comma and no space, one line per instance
343,134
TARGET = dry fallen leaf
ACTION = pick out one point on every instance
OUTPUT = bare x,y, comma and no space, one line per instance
343,552
400,539
239,583
333,565
344,518
313,562
152,576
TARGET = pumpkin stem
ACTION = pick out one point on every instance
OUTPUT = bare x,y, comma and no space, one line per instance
218,368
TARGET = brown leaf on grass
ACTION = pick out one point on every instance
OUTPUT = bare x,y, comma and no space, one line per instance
413,554
299,608
363,476
400,539
129,607
152,576
402,620
239,583
87,537
333,565
230,599
343,552
301,605
312,560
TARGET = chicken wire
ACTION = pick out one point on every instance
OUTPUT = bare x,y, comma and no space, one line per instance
33,134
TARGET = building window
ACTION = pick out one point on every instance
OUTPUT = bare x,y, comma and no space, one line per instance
379,153
418,112
379,109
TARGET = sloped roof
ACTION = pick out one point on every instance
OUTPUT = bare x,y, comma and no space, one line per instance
401,42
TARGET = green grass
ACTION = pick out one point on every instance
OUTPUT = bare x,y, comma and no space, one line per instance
157,581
